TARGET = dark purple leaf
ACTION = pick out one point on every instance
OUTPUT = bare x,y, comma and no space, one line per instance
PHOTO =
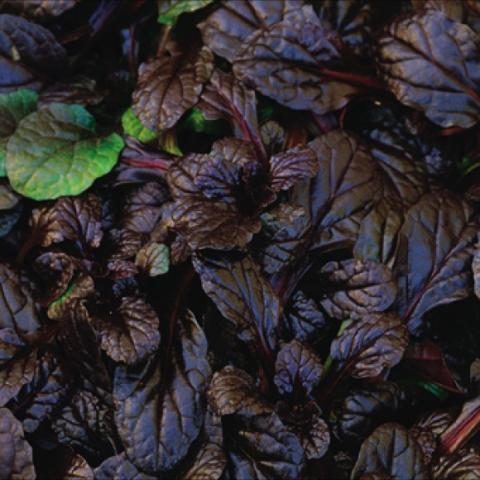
16,462
354,288
371,344
131,333
159,417
262,447
297,366
437,241
226,29
284,232
225,97
296,62
242,295
41,397
392,450
429,62
169,85
119,467
212,208
288,168
232,390
304,319
363,409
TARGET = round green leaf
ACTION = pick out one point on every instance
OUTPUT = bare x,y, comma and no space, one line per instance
54,153
133,126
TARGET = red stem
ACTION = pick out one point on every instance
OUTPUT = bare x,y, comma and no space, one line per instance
145,162
457,435
354,78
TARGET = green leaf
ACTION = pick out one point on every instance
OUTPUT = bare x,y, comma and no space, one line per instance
175,8
67,157
134,127
196,122
13,107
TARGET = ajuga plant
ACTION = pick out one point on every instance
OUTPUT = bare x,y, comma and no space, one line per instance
238,239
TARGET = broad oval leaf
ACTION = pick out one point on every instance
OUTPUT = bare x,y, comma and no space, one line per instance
284,231
336,199
263,447
31,44
363,409
119,467
17,309
133,126
40,9
232,390
158,418
67,157
430,62
16,459
369,345
289,167
356,288
41,397
297,365
294,62
436,246
132,333
226,29
243,296
153,259
392,450
168,86
225,97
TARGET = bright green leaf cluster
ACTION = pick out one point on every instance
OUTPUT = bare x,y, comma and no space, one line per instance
133,126
196,122
177,7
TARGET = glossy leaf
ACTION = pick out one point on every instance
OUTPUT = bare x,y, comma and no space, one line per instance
154,259
354,288
262,447
441,231
227,28
294,62
363,409
16,460
232,390
429,63
132,333
119,467
369,345
242,295
297,365
211,207
168,86
17,309
67,158
41,397
336,199
392,450
159,418
31,44
304,319
289,167
225,97
284,231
